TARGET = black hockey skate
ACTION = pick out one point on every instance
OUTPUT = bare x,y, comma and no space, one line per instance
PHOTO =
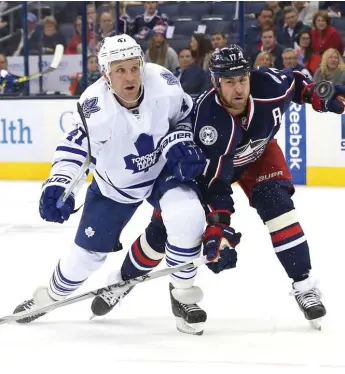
105,302
309,301
25,307
190,318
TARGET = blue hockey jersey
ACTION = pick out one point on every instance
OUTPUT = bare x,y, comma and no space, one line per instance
231,143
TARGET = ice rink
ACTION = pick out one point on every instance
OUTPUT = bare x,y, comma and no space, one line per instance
253,324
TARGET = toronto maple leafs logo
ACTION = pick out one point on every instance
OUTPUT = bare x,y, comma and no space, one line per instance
90,106
169,77
147,155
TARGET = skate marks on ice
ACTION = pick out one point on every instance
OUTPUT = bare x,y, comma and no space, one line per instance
230,342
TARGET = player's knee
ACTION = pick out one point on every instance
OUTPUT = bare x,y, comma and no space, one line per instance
272,199
86,259
183,217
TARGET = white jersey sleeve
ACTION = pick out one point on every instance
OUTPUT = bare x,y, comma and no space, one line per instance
72,149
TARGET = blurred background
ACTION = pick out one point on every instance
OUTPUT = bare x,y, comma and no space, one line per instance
306,35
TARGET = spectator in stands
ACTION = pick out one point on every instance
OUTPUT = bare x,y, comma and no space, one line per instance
91,16
159,50
278,12
218,40
194,80
123,13
332,68
93,74
290,60
292,28
306,55
306,11
14,47
201,50
51,37
265,20
75,45
325,36
269,44
106,26
263,59
144,23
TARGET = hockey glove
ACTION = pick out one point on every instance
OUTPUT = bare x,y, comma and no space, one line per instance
52,189
220,242
335,103
186,160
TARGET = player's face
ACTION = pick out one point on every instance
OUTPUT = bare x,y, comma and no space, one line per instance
234,92
125,78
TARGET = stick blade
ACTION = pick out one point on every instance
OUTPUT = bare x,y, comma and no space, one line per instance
58,54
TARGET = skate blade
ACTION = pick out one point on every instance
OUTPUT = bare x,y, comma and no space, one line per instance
92,317
316,324
189,328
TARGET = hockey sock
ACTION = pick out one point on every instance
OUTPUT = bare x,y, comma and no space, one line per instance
72,270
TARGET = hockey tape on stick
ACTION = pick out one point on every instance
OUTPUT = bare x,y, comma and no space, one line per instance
113,287
84,166
58,54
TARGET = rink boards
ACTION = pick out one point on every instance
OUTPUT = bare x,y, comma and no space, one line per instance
313,143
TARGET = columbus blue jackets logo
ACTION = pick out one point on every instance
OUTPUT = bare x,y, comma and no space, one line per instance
147,155
90,106
208,135
250,152
170,78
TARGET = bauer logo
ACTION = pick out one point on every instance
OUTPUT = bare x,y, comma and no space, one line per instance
295,148
342,144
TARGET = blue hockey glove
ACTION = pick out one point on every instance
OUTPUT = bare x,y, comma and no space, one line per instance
51,191
186,160
333,103
220,242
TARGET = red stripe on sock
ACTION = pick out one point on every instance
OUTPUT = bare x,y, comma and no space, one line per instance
286,233
142,259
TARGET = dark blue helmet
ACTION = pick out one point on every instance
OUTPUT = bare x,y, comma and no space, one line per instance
228,62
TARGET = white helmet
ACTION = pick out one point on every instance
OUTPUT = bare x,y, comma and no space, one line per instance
119,48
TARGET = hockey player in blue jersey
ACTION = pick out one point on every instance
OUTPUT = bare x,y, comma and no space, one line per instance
235,124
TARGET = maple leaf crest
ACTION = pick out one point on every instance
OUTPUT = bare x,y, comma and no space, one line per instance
90,106
147,155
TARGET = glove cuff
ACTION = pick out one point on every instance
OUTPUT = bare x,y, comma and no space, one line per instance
57,180
173,138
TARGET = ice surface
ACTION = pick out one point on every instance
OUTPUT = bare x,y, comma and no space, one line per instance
253,324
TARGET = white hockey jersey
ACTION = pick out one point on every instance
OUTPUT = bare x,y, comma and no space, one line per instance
127,152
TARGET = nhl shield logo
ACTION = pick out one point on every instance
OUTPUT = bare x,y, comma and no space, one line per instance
208,135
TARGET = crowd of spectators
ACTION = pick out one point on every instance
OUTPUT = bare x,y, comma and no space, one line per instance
297,34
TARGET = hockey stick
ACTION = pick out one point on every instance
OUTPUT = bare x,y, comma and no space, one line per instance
84,166
112,287
58,54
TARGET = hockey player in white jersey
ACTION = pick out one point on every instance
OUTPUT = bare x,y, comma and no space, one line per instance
142,148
